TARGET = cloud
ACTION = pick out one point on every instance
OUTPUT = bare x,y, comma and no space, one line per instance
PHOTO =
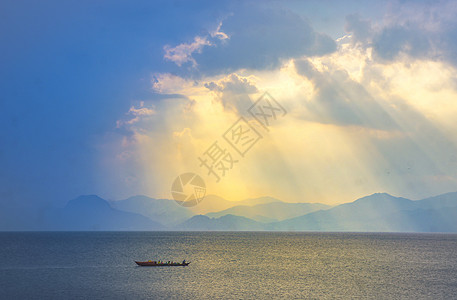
410,40
362,117
166,83
233,92
261,38
234,84
361,29
138,114
252,37
183,52
141,111
409,31
340,100
218,33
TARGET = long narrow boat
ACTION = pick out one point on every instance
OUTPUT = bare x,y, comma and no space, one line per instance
161,264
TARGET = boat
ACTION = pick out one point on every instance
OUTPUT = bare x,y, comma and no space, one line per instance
151,263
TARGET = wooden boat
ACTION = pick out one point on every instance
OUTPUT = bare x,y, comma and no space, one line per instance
161,264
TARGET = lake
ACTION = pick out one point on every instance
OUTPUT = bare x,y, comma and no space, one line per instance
233,265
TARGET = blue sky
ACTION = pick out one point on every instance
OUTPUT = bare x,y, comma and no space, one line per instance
93,95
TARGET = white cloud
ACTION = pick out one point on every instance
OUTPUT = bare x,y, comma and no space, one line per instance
138,114
142,111
183,52
219,34
166,83
233,83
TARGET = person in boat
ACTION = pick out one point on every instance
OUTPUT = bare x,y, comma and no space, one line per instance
183,262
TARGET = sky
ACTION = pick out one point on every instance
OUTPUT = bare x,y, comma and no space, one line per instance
118,98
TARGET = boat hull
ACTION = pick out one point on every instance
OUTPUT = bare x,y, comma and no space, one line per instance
155,264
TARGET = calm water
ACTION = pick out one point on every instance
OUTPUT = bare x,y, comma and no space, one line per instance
228,265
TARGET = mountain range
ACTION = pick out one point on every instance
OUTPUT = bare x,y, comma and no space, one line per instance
378,212
92,213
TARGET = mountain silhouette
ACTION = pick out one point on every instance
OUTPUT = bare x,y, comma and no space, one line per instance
94,213
164,211
271,212
378,212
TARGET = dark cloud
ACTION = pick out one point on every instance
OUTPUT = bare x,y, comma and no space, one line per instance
340,100
417,31
390,41
448,44
361,29
408,39
260,38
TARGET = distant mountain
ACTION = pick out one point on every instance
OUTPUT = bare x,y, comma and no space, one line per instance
93,213
440,201
378,212
211,203
257,201
271,212
225,223
164,211
169,212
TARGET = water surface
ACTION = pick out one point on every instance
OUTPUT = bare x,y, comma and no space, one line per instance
236,265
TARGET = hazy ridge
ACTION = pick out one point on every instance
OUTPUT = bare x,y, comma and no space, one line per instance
378,212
